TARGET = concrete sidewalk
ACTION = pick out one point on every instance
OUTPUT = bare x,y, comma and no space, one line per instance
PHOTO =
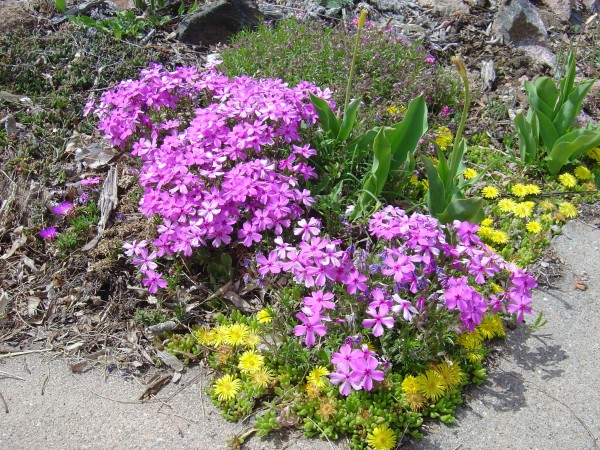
543,391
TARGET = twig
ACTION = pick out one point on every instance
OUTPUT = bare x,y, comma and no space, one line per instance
8,375
46,380
125,402
4,403
27,352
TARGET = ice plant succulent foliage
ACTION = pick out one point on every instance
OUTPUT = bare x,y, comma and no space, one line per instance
222,159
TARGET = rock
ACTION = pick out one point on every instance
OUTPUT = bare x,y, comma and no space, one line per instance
488,74
446,8
520,23
217,22
562,8
540,54
593,5
15,15
389,6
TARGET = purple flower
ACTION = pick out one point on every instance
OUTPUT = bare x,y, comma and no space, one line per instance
48,233
63,209
364,372
153,281
312,325
320,299
344,376
90,181
379,320
404,307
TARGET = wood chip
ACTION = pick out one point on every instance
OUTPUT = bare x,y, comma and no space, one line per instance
155,386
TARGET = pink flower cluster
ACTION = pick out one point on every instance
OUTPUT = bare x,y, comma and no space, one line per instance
355,369
411,265
228,164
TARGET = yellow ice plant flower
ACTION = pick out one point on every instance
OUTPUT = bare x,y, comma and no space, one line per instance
450,372
444,138
252,340
204,336
547,205
490,192
392,110
264,316
497,288
262,378
227,387
499,237
487,222
533,227
471,341
381,438
594,154
582,173
431,385
219,335
409,384
485,232
567,180
506,205
491,326
568,210
469,174
532,189
519,190
315,376
415,400
523,209
237,334
251,361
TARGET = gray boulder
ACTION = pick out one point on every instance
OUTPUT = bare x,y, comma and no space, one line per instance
218,21
520,23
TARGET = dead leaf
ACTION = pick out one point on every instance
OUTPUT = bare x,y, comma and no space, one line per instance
32,304
107,202
156,385
95,155
580,285
79,367
17,244
18,99
171,360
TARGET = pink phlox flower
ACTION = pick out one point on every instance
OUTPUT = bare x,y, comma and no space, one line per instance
135,247
497,303
270,264
311,325
481,268
355,281
379,319
153,281
308,229
455,291
519,304
249,234
90,181
343,357
145,260
379,297
343,375
320,298
400,268
405,307
364,372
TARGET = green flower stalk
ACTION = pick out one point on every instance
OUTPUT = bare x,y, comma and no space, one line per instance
361,23
462,72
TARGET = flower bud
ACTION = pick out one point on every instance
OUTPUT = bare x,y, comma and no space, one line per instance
460,66
362,19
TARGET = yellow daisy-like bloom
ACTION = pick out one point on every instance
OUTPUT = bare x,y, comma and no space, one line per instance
451,373
252,340
491,326
470,341
469,173
227,387
444,138
533,227
204,336
219,335
519,190
250,361
409,384
506,205
532,189
415,400
547,205
485,232
583,173
263,316
499,237
392,110
381,438
431,385
315,376
567,180
487,222
490,192
523,209
497,288
312,391
568,210
594,154
262,378
237,334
